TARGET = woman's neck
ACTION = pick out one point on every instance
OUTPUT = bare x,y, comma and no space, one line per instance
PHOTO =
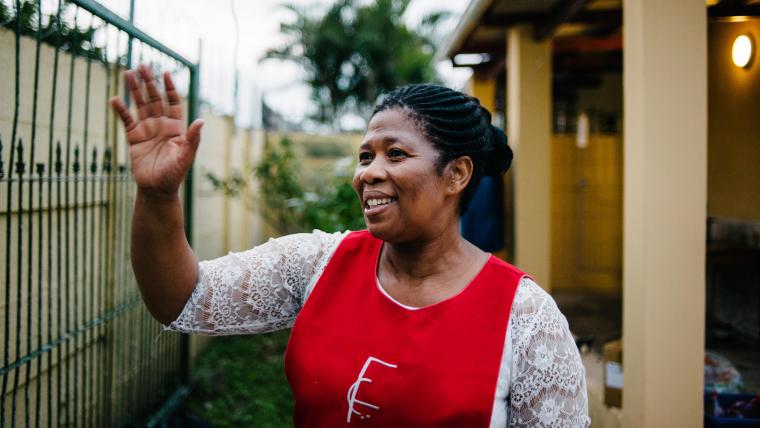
414,262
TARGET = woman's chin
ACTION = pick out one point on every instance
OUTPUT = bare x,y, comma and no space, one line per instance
377,230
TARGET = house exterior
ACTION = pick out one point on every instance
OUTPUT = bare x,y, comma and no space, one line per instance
641,100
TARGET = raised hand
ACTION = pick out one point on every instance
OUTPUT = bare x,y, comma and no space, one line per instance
160,147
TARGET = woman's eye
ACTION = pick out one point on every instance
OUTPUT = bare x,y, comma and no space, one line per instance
396,153
364,157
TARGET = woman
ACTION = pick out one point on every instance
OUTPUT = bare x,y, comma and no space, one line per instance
403,325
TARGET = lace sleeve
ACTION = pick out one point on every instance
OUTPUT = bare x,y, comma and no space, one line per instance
258,290
548,383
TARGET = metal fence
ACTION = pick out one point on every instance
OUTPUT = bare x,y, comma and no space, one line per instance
78,347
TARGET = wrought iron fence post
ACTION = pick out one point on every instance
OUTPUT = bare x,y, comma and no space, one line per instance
129,48
192,114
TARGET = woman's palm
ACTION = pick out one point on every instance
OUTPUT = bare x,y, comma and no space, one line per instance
160,149
161,154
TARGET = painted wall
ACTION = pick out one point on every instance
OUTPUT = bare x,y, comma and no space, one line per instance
587,213
733,181
664,211
483,89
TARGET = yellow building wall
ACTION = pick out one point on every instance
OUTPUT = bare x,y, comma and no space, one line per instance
586,209
586,206
733,149
484,90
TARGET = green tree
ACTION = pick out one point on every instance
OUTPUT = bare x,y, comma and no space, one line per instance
285,203
73,39
356,51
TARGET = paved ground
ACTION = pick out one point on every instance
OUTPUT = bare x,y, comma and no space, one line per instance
594,316
600,318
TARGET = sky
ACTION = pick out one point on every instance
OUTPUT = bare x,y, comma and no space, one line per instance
206,29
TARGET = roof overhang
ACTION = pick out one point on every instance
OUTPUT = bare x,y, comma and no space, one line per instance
483,27
465,27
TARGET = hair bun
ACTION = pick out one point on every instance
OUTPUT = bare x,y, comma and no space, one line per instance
499,155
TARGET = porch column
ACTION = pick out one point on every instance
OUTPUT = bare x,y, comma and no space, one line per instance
665,182
529,80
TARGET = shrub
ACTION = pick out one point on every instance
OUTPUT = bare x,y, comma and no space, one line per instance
285,202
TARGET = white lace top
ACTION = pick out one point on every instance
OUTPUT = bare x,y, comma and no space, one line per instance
541,380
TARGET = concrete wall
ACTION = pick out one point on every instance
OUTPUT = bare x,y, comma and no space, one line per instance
61,109
733,181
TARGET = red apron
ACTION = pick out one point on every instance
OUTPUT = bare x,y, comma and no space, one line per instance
357,358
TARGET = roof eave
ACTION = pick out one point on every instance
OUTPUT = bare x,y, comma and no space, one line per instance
465,27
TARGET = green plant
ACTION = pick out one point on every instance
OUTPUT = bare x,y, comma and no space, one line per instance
285,202
53,31
240,382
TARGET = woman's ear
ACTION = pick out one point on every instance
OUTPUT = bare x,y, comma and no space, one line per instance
460,173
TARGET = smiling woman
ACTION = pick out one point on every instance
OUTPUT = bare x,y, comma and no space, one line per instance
405,324
398,182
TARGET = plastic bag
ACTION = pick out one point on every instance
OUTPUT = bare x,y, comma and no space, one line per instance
720,375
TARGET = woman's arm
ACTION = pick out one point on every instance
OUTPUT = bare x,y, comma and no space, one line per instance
547,382
161,151
258,290
165,266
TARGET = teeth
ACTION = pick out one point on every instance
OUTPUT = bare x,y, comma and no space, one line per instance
375,202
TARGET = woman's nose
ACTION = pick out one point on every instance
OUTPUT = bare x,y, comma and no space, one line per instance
373,173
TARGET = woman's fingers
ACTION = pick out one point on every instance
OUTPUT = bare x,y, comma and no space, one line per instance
155,105
126,117
193,133
174,110
130,77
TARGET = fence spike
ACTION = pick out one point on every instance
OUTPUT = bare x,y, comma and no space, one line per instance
58,162
94,163
20,165
122,168
40,168
107,161
76,167
2,169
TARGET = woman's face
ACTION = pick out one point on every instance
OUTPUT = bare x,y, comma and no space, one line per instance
402,195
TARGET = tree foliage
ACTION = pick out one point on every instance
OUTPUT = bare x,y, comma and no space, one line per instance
285,203
68,37
355,51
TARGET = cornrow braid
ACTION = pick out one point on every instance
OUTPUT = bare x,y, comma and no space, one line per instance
457,125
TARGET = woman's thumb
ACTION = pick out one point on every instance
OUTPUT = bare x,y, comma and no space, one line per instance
193,133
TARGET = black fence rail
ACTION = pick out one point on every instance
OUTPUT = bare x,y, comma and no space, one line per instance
78,347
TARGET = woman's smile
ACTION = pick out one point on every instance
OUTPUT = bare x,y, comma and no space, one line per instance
400,190
376,206
375,203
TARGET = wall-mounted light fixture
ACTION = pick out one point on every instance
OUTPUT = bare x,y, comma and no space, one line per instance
743,51
464,60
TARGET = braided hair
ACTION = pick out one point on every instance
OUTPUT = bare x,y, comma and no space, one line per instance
457,125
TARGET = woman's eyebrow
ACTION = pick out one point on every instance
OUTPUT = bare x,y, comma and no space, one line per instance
385,140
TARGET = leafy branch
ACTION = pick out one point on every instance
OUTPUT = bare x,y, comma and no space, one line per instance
357,50
284,202
55,32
